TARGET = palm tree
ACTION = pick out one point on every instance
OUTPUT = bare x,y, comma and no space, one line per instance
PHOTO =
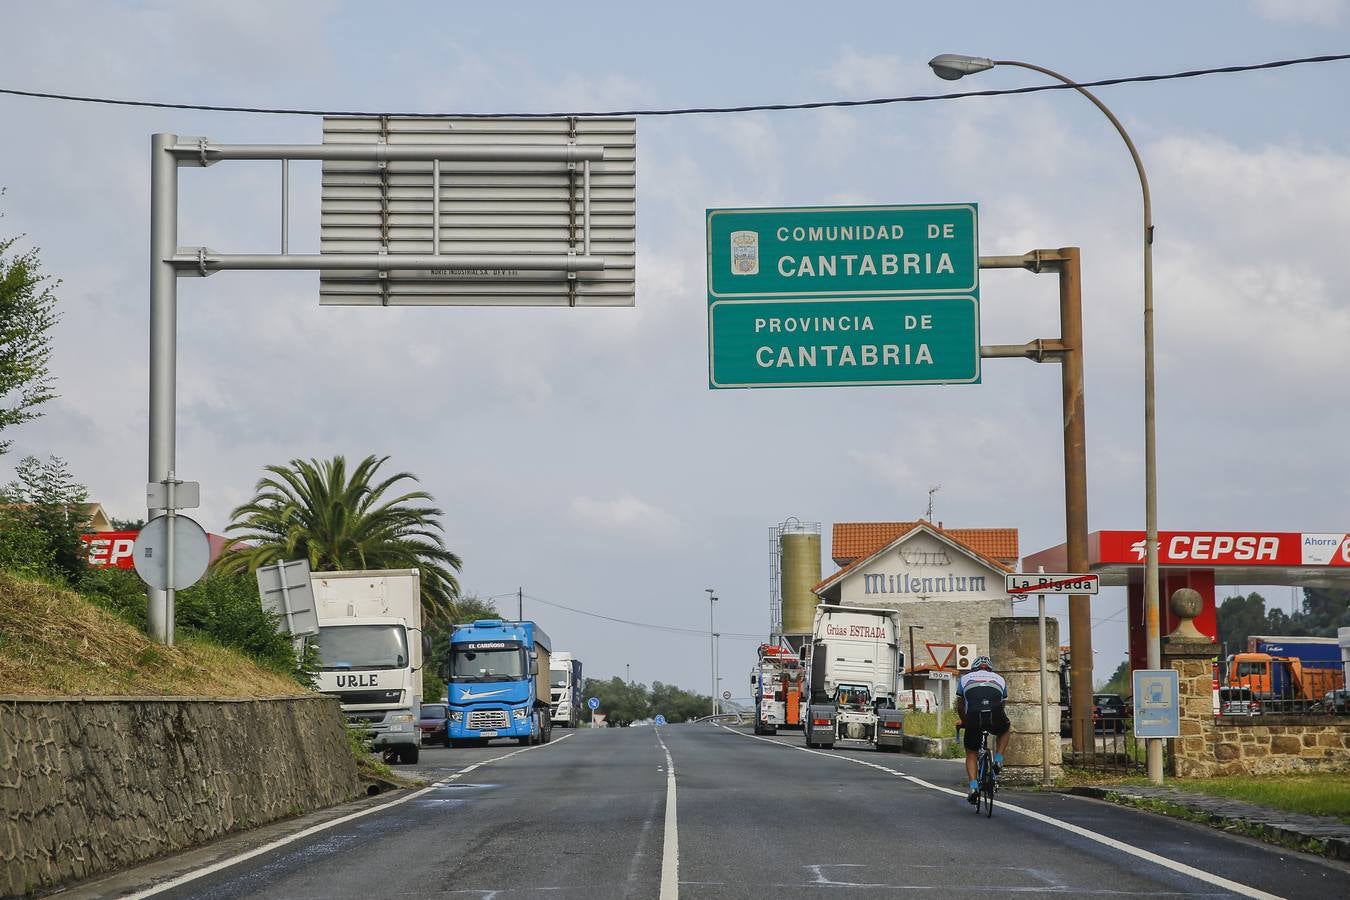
313,510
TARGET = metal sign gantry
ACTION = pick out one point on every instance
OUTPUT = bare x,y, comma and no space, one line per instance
539,149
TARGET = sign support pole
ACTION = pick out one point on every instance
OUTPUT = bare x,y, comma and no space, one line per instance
163,350
1068,351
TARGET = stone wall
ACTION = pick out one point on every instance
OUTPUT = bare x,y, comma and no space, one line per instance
1256,745
92,785
1014,650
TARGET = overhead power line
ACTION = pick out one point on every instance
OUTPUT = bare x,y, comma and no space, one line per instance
684,111
672,629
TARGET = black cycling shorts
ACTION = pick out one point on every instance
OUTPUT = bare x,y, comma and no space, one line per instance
984,712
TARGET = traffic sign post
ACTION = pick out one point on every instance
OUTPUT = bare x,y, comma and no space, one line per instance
833,296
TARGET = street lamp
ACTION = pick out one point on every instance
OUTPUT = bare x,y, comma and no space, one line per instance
913,691
712,648
952,66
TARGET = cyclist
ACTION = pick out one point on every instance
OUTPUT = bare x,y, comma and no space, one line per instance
980,695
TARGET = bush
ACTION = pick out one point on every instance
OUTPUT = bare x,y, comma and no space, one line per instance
119,591
223,609
226,609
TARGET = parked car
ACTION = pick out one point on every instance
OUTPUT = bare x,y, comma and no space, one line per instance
434,723
1109,713
1337,702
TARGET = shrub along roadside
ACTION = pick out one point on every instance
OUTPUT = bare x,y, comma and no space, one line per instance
222,609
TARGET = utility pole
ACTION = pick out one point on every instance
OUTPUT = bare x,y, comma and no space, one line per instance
520,604
712,648
913,691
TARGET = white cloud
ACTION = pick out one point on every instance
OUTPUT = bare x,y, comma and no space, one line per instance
627,514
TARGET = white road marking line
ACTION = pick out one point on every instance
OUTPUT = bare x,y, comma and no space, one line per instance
322,826
670,852
1199,874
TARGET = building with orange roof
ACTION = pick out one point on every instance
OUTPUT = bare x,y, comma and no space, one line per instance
949,581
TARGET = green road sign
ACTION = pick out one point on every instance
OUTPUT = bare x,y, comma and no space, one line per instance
857,295
870,251
844,341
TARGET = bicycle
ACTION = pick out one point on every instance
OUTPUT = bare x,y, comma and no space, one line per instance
988,778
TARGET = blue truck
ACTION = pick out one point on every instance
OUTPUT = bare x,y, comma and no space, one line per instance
498,684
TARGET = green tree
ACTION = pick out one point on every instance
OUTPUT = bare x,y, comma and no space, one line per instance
42,519
464,610
314,510
621,702
1239,617
27,314
1119,682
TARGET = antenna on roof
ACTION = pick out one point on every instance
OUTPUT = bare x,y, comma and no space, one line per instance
931,491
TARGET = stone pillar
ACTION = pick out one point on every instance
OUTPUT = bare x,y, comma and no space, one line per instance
1014,652
1192,653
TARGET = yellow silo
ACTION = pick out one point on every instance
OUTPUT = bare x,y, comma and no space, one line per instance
799,548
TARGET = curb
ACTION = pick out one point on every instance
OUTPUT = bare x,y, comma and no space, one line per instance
1329,845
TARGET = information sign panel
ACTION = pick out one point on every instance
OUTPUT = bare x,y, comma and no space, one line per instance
1157,703
835,296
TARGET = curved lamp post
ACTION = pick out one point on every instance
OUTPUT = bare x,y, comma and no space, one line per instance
952,66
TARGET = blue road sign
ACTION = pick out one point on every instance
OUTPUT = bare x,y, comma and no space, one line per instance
593,703
1157,703
660,720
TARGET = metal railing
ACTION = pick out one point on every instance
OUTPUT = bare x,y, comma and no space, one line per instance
1110,746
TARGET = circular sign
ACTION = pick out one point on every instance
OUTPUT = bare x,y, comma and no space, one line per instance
191,553
726,695
660,720
593,703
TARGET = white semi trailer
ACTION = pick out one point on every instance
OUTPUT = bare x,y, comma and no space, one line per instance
564,675
854,666
370,653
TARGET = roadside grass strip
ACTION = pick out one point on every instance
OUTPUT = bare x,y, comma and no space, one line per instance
1138,852
324,826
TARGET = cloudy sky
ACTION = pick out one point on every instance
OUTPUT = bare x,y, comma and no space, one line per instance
580,453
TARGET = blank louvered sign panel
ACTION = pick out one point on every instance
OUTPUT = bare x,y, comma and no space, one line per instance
508,226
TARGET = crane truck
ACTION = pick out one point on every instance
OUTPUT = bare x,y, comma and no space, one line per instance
498,683
854,665
777,681
371,648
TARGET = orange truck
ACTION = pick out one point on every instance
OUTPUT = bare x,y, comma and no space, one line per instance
1297,670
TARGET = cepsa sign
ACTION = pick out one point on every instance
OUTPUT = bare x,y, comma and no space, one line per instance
1230,548
110,548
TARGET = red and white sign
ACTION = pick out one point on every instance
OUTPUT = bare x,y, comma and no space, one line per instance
1049,583
1229,548
110,548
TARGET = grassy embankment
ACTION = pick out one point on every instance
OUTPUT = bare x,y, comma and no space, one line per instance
923,724
1324,794
54,642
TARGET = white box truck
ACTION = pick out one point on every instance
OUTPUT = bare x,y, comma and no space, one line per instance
370,653
854,665
564,678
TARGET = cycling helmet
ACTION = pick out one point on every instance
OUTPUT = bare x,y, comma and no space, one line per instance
982,662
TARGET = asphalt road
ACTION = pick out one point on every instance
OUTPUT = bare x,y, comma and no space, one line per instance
588,817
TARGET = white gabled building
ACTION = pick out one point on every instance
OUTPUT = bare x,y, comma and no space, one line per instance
950,581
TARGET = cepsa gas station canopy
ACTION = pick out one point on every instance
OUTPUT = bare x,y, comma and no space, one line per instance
1202,560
